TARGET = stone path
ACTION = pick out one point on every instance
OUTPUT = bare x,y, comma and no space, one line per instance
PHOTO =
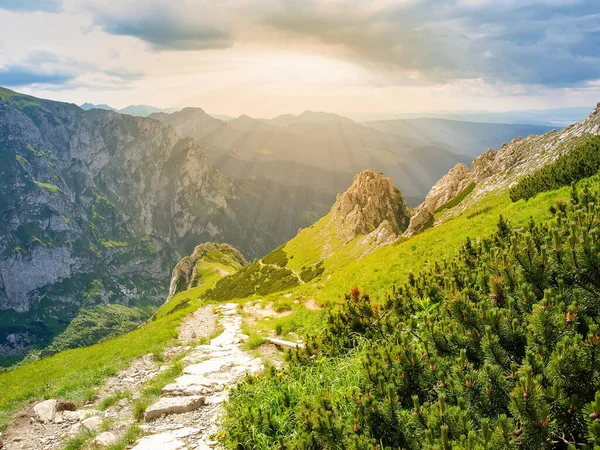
185,416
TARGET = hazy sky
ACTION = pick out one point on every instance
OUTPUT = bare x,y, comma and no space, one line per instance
268,57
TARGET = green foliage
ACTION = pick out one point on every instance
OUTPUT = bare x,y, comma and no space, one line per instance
277,257
147,244
107,402
112,244
96,324
309,273
497,348
253,279
479,212
153,388
456,200
47,186
94,293
38,153
581,162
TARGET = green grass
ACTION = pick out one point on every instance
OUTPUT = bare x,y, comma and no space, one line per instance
21,101
153,388
377,272
76,374
107,402
275,401
78,441
277,257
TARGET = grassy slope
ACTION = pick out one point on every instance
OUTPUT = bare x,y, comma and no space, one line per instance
379,271
75,374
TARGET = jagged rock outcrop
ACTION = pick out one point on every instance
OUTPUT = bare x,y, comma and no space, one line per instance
371,205
499,170
97,207
185,275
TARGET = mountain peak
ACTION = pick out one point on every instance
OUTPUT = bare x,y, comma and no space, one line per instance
371,204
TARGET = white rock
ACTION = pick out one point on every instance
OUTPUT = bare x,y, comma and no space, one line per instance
173,405
45,411
105,439
185,432
163,441
92,424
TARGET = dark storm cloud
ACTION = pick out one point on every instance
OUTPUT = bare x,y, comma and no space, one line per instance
31,5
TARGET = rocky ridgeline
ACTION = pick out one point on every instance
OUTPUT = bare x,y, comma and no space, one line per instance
499,170
184,417
373,207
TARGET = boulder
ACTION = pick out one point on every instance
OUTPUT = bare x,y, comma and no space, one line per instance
45,411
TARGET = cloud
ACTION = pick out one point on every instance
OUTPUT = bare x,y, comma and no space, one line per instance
48,69
18,76
183,25
31,5
539,42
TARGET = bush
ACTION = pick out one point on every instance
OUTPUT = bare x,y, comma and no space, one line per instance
252,279
309,273
581,162
277,257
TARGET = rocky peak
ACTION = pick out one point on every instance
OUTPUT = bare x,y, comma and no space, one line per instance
372,201
185,274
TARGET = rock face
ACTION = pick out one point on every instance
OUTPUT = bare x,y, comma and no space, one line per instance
96,198
371,205
185,275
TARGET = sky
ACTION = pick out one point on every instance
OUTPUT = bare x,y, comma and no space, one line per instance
269,57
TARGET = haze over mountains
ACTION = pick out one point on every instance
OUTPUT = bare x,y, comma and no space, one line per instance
324,150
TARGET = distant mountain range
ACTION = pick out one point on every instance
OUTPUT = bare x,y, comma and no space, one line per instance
132,110
555,118
323,150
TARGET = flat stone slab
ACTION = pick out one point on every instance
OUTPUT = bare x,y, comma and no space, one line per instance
163,441
173,405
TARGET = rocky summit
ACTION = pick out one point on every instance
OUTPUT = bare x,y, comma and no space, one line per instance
371,205
187,274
